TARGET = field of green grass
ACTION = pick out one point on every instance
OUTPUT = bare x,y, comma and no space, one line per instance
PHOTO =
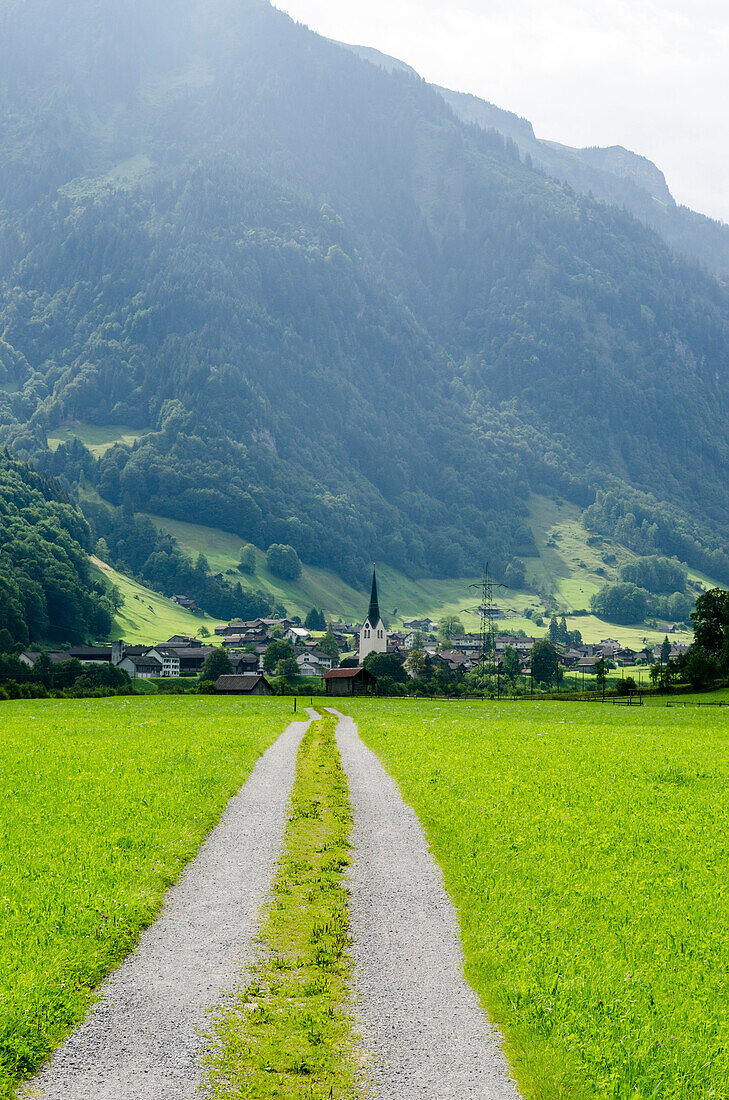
104,801
148,617
586,848
99,440
400,597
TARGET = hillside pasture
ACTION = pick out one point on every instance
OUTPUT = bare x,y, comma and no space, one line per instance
147,617
585,847
97,439
104,801
566,568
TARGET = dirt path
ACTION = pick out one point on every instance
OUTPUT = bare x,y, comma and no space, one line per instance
421,1023
143,1040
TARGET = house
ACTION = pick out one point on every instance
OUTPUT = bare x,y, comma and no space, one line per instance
186,660
183,641
423,625
297,635
349,681
192,659
310,665
91,654
255,684
452,660
467,643
141,666
168,658
677,650
491,611
184,601
244,663
667,628
31,658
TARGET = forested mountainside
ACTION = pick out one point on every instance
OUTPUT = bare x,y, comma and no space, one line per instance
46,590
613,175
341,317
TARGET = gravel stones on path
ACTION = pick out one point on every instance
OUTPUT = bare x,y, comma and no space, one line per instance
144,1039
424,1032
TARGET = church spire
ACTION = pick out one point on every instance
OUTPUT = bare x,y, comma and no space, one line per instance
374,612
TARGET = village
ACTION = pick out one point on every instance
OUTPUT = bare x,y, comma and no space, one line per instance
338,656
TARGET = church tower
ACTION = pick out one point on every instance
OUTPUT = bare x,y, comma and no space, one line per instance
373,636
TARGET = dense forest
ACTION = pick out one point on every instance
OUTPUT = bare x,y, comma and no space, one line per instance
340,317
46,589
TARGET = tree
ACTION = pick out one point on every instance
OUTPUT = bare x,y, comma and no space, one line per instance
699,667
247,562
416,664
315,620
553,630
516,574
564,634
288,669
450,625
386,666
511,665
665,651
545,663
283,561
621,603
216,664
711,620
329,646
276,651
601,672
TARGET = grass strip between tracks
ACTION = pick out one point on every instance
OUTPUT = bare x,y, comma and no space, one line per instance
289,1033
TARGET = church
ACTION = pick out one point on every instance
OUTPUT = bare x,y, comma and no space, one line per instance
372,636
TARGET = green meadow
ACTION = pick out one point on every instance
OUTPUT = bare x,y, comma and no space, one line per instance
145,616
104,801
586,849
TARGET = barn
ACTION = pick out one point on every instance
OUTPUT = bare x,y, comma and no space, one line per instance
251,684
349,681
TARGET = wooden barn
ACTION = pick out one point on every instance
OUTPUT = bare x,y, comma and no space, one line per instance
243,685
349,681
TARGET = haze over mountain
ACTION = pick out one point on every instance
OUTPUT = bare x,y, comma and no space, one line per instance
339,315
614,175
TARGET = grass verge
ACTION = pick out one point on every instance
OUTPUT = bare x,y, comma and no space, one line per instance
103,803
586,849
288,1034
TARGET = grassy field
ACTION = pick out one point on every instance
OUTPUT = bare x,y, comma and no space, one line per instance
573,565
400,597
98,440
586,848
104,801
148,617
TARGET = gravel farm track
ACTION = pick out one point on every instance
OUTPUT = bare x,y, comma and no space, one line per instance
424,1034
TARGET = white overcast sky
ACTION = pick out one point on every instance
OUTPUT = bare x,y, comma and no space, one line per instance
652,75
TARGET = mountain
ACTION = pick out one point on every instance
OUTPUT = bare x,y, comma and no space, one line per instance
613,175
47,592
329,312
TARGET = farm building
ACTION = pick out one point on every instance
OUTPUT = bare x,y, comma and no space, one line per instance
141,667
250,684
349,681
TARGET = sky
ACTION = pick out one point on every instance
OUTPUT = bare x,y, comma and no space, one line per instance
652,75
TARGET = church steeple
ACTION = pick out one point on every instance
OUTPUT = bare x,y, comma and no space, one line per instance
374,611
372,636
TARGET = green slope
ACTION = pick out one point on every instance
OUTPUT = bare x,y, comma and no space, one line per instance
147,617
567,569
